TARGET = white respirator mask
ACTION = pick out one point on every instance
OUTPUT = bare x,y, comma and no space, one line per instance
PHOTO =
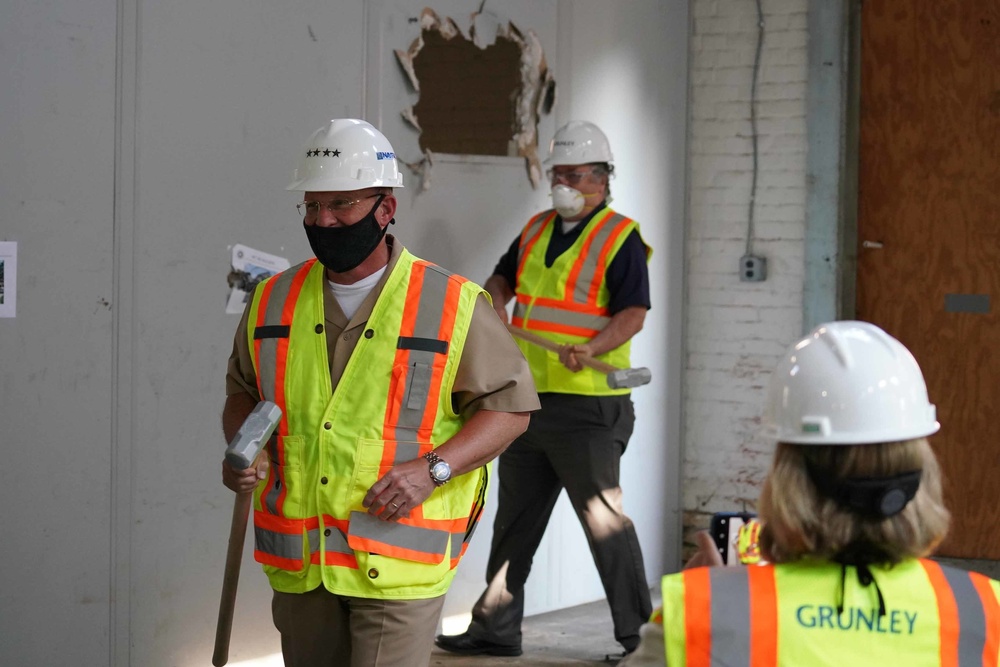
567,201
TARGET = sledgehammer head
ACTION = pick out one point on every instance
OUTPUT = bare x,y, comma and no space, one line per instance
256,430
626,378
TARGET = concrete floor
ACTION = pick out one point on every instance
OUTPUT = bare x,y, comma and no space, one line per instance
575,637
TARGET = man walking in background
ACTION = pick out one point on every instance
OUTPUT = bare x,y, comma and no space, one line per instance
578,276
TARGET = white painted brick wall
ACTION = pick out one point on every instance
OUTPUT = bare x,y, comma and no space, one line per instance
736,331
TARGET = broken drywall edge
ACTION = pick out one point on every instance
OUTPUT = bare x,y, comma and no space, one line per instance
411,117
423,170
429,20
405,61
485,28
535,82
537,85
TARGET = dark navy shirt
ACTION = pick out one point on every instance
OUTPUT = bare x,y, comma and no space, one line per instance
627,276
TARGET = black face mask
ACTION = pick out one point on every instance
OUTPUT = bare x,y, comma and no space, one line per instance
341,249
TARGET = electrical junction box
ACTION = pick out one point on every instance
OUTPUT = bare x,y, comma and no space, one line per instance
752,268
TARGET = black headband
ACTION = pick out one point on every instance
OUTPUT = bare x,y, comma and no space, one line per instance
873,497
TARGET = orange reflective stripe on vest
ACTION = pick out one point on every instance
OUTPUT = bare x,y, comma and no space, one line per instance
561,317
530,235
422,348
577,310
271,339
587,274
969,617
568,300
731,616
722,602
411,409
417,325
279,540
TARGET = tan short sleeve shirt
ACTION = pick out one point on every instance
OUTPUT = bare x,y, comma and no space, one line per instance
492,373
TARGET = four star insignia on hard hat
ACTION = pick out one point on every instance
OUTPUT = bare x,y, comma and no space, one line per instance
325,151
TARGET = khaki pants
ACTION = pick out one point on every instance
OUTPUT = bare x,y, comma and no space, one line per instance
320,629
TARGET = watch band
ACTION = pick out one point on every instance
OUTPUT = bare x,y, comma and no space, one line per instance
432,461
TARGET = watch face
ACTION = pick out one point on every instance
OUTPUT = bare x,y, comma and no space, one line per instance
441,471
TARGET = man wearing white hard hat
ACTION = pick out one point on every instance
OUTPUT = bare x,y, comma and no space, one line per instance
849,512
397,385
577,275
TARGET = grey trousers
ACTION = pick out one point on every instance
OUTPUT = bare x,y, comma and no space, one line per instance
574,442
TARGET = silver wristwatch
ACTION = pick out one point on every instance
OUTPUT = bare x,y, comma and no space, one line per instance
439,469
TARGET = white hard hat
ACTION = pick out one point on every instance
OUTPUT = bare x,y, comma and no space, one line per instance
579,142
848,383
346,154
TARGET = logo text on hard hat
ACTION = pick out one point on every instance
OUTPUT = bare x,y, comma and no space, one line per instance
385,155
564,143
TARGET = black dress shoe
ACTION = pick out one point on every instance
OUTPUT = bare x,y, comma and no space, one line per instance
463,644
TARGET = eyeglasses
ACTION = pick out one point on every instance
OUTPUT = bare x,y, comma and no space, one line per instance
568,177
311,209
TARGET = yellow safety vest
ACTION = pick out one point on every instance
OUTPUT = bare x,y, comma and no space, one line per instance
768,615
393,404
568,302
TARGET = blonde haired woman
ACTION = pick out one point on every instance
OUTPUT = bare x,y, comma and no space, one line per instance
850,509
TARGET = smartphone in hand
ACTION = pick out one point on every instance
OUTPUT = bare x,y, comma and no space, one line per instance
725,530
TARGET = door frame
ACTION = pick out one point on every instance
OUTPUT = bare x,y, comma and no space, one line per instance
832,135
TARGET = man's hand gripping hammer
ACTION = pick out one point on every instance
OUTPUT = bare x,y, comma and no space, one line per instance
256,430
618,378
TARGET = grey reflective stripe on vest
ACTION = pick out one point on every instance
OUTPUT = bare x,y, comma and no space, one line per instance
267,369
427,326
271,499
533,228
560,316
335,541
282,545
600,237
971,617
285,545
457,541
267,363
424,540
730,600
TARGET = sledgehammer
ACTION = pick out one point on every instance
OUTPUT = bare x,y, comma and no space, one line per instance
618,378
254,433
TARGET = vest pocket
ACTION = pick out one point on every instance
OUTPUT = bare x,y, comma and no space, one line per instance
281,544
386,572
283,494
410,552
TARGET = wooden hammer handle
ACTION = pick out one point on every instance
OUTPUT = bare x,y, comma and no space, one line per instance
552,346
234,557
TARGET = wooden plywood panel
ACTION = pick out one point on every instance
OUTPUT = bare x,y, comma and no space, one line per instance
929,196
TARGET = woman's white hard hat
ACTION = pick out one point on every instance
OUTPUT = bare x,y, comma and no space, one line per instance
848,383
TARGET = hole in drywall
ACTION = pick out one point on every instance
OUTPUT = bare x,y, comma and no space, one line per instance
468,95
478,95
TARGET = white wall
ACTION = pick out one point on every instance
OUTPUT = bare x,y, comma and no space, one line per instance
57,142
125,208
